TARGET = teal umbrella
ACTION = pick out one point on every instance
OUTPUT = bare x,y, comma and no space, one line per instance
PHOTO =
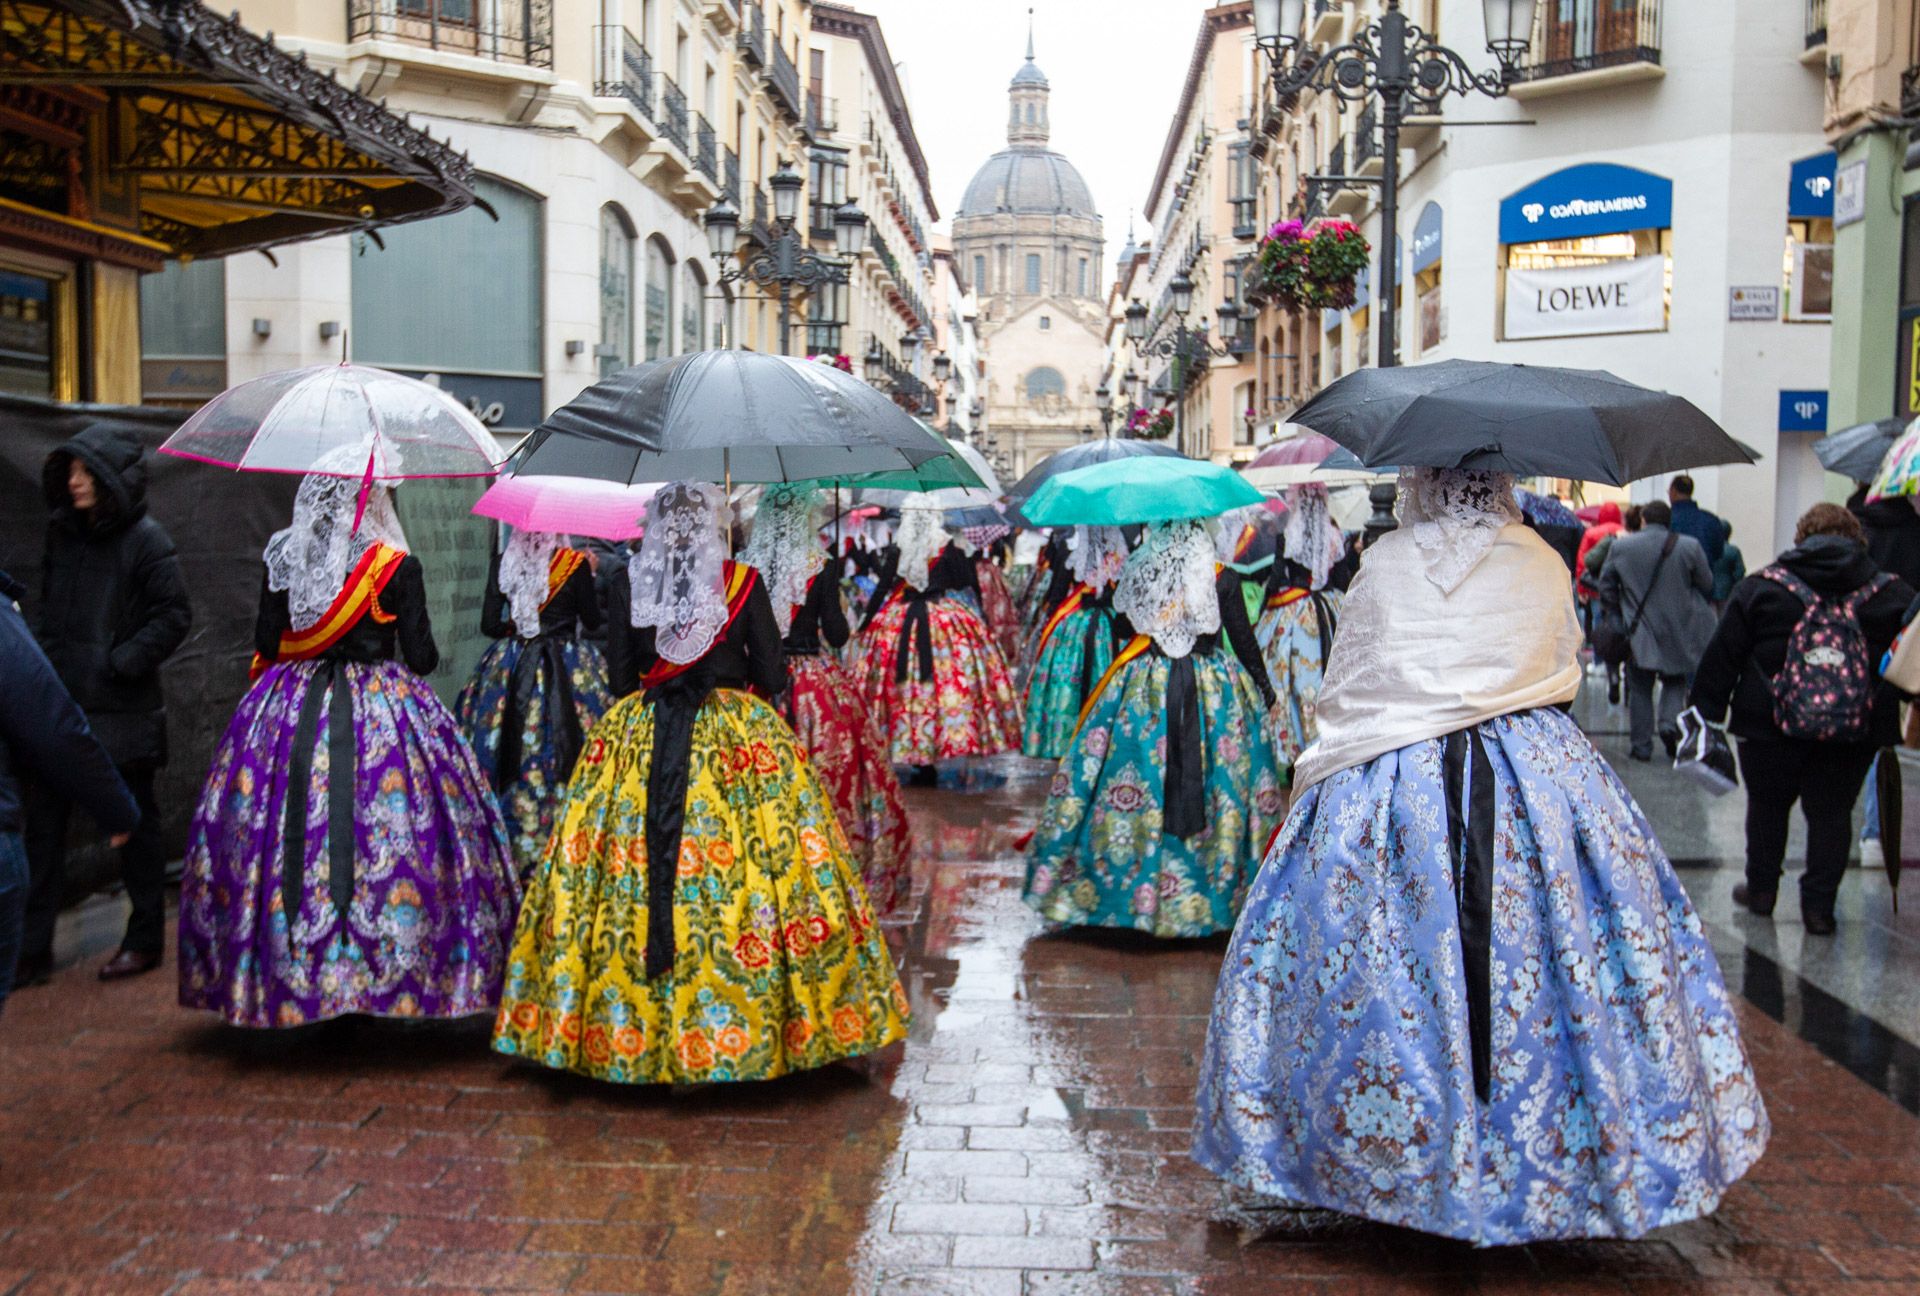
1123,492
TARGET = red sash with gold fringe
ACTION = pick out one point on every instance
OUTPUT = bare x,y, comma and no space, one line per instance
359,596
740,580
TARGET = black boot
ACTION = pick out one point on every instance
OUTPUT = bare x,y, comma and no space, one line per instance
1758,903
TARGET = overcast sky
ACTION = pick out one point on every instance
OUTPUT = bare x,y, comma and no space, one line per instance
1116,67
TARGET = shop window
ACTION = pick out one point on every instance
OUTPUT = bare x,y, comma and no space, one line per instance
30,336
1808,270
616,291
659,318
693,307
183,333
460,294
1551,297
1433,319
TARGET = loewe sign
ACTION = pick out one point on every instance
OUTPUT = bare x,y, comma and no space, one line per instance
1613,297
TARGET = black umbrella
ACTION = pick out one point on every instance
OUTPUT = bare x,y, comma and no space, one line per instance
1101,450
726,416
1856,452
1524,419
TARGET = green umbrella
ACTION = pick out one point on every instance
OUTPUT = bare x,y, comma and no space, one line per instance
1123,492
942,472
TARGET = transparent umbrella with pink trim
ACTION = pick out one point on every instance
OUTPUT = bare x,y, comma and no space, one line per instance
288,421
579,506
1296,459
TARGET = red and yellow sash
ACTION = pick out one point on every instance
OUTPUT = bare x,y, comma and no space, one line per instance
358,597
560,570
1068,606
1135,646
1285,597
740,579
1244,543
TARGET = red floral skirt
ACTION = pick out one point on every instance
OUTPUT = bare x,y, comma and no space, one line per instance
996,605
967,708
850,756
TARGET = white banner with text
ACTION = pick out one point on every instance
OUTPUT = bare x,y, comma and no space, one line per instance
1612,297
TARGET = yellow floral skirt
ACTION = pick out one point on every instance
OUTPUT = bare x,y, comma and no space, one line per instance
778,964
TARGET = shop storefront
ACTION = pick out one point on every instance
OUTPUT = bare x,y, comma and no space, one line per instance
1586,251
1424,270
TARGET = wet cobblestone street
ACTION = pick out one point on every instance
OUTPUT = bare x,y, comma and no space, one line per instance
1030,1139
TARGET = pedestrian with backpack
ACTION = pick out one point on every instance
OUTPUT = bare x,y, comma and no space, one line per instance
1793,670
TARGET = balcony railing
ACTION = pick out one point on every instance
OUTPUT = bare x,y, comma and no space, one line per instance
1816,23
762,216
784,80
673,113
1576,36
624,68
752,40
1366,143
706,148
521,32
823,114
730,176
1244,222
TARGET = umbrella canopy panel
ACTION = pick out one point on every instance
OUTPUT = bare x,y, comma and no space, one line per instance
1857,452
1124,492
231,142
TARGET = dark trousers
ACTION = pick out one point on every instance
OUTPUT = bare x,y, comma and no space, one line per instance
143,867
1825,778
1640,718
13,905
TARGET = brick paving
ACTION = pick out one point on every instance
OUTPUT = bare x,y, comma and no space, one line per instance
1030,1138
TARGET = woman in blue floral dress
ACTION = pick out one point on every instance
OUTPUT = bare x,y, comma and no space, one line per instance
1300,611
1169,789
1075,644
1467,994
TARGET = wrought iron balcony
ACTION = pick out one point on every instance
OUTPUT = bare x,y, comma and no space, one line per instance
674,119
730,175
752,40
1244,225
783,79
1366,143
1576,36
521,32
623,68
706,148
823,114
1816,23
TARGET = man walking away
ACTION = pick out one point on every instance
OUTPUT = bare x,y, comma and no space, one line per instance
1729,571
1689,519
1658,583
113,608
43,730
1797,659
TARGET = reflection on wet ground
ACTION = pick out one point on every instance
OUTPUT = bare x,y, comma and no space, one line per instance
1030,1137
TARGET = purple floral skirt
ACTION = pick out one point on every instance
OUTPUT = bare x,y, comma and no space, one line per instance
431,896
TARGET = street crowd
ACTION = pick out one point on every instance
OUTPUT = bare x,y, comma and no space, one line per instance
1465,991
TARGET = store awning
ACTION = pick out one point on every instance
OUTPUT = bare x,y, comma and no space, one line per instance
204,137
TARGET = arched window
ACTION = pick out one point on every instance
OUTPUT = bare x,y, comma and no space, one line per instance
659,300
693,309
616,290
1045,383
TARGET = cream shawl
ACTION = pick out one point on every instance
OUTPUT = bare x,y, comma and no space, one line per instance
1411,662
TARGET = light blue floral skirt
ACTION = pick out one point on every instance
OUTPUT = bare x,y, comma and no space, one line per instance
1099,857
1337,1071
1062,678
1290,643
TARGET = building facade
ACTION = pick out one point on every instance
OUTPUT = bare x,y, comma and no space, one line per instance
960,406
1029,242
1660,160
601,133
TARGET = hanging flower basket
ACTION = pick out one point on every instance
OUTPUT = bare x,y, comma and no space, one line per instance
1150,425
1311,270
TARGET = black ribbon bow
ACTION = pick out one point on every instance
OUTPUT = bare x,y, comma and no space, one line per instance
330,677
550,651
1183,788
676,705
918,624
1470,829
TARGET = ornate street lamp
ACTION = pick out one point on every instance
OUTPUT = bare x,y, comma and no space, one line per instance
1187,349
942,367
1103,397
1404,66
874,362
788,262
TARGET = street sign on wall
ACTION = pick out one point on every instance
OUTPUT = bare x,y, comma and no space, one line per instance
1754,302
1626,296
1850,194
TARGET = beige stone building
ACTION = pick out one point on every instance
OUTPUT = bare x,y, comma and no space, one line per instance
1029,242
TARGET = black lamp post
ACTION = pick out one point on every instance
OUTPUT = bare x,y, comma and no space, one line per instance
1402,64
1185,347
788,262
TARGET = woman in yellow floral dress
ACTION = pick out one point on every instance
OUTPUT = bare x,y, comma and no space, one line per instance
697,915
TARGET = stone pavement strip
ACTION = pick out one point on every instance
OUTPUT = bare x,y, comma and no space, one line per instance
1030,1139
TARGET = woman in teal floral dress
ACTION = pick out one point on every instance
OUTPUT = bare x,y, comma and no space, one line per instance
1169,790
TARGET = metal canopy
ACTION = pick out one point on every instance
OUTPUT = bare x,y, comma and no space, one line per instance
232,143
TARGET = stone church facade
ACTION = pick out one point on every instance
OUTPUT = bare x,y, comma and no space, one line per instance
1029,241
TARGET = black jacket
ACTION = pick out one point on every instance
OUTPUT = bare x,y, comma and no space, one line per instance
1893,534
747,654
1750,646
408,636
572,609
114,605
41,730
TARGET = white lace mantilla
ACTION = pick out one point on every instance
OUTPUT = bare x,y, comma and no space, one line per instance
1096,555
785,547
1454,516
1166,588
524,567
679,575
311,558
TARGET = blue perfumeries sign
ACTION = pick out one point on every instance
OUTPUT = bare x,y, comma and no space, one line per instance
1582,201
1426,237
1803,411
1810,187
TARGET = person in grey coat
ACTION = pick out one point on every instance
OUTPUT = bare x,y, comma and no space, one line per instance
1670,597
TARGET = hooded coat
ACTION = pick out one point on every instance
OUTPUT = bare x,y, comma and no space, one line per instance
1893,534
1750,647
113,604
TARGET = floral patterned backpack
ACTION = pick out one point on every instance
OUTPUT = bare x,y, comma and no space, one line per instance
1825,691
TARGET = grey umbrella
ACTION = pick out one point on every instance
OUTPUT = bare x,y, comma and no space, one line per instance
1856,452
1528,420
726,416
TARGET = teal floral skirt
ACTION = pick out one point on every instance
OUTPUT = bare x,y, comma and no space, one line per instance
1070,665
1100,858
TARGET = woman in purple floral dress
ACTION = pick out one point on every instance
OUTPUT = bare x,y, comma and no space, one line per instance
347,855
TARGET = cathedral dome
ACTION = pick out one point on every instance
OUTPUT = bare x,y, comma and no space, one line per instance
1027,181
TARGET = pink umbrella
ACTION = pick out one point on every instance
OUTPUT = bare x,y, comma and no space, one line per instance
567,505
1297,459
